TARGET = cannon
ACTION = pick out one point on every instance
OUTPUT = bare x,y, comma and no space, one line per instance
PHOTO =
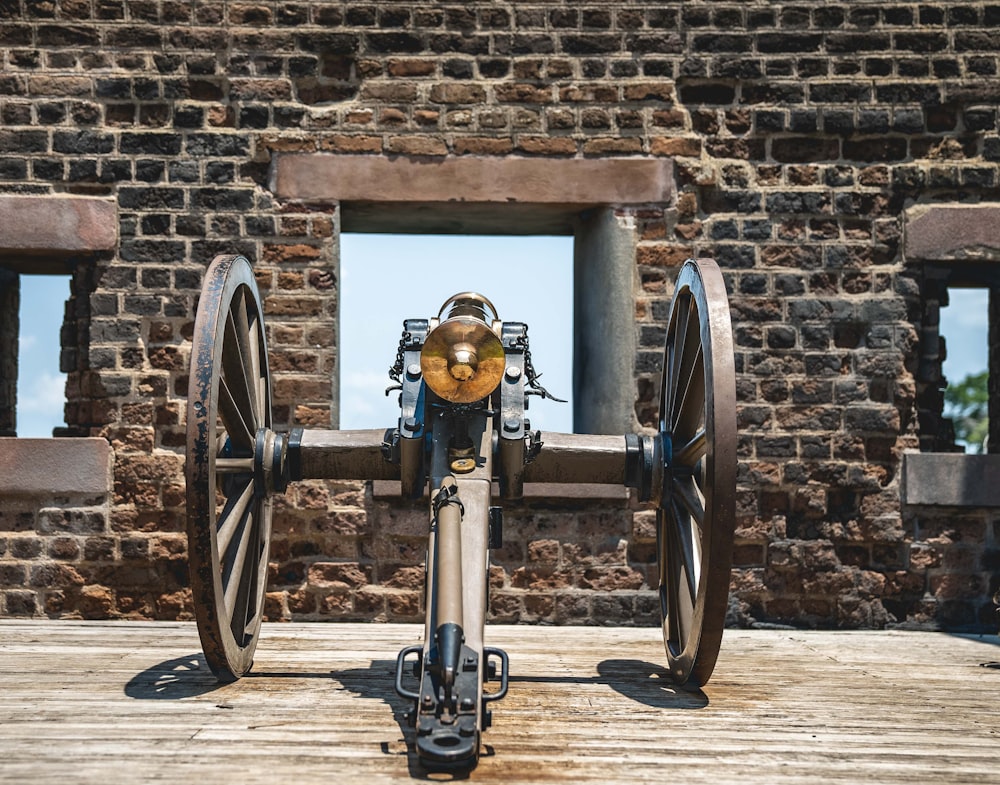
463,378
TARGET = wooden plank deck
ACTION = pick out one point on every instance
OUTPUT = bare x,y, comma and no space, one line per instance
129,702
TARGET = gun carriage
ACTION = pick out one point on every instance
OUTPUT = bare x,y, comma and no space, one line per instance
463,378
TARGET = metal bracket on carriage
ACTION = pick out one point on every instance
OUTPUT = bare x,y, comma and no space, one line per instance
444,709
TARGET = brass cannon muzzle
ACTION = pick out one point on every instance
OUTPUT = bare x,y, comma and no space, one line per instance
463,359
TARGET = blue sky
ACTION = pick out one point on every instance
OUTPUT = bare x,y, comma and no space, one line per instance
965,325
387,278
41,388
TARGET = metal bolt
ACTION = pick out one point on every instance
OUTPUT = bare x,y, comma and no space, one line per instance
511,425
413,370
411,424
513,373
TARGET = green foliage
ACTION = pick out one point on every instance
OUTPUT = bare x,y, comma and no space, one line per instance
967,404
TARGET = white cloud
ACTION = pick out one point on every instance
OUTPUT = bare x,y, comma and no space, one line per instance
42,394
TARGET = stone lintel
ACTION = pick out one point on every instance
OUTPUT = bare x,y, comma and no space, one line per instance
951,480
51,467
578,182
969,232
56,225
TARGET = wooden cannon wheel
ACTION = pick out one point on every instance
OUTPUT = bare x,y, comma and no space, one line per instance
228,508
696,510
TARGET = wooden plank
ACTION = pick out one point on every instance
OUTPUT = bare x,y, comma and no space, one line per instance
127,702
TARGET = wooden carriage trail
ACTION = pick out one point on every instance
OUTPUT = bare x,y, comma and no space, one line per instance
129,702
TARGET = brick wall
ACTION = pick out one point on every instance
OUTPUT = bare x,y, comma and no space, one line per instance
799,132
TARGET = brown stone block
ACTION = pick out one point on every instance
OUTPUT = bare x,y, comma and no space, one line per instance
337,575
540,578
280,305
943,232
458,93
662,255
416,145
57,224
611,579
290,280
539,145
406,578
518,93
672,146
405,605
347,523
302,602
572,607
539,606
506,607
316,416
275,607
396,92
474,179
286,143
648,91
370,601
94,602
391,116
411,67
52,85
828,584
20,603
55,575
54,466
613,608
260,89
293,253
480,145
336,604
617,146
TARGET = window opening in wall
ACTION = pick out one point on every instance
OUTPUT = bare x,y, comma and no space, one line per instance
965,327
41,386
386,278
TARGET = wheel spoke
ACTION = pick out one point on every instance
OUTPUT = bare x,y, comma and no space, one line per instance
674,579
686,490
259,381
691,452
690,408
233,420
244,609
675,357
235,366
234,559
233,465
232,517
688,561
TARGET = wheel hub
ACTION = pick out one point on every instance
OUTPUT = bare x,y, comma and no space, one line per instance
271,472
